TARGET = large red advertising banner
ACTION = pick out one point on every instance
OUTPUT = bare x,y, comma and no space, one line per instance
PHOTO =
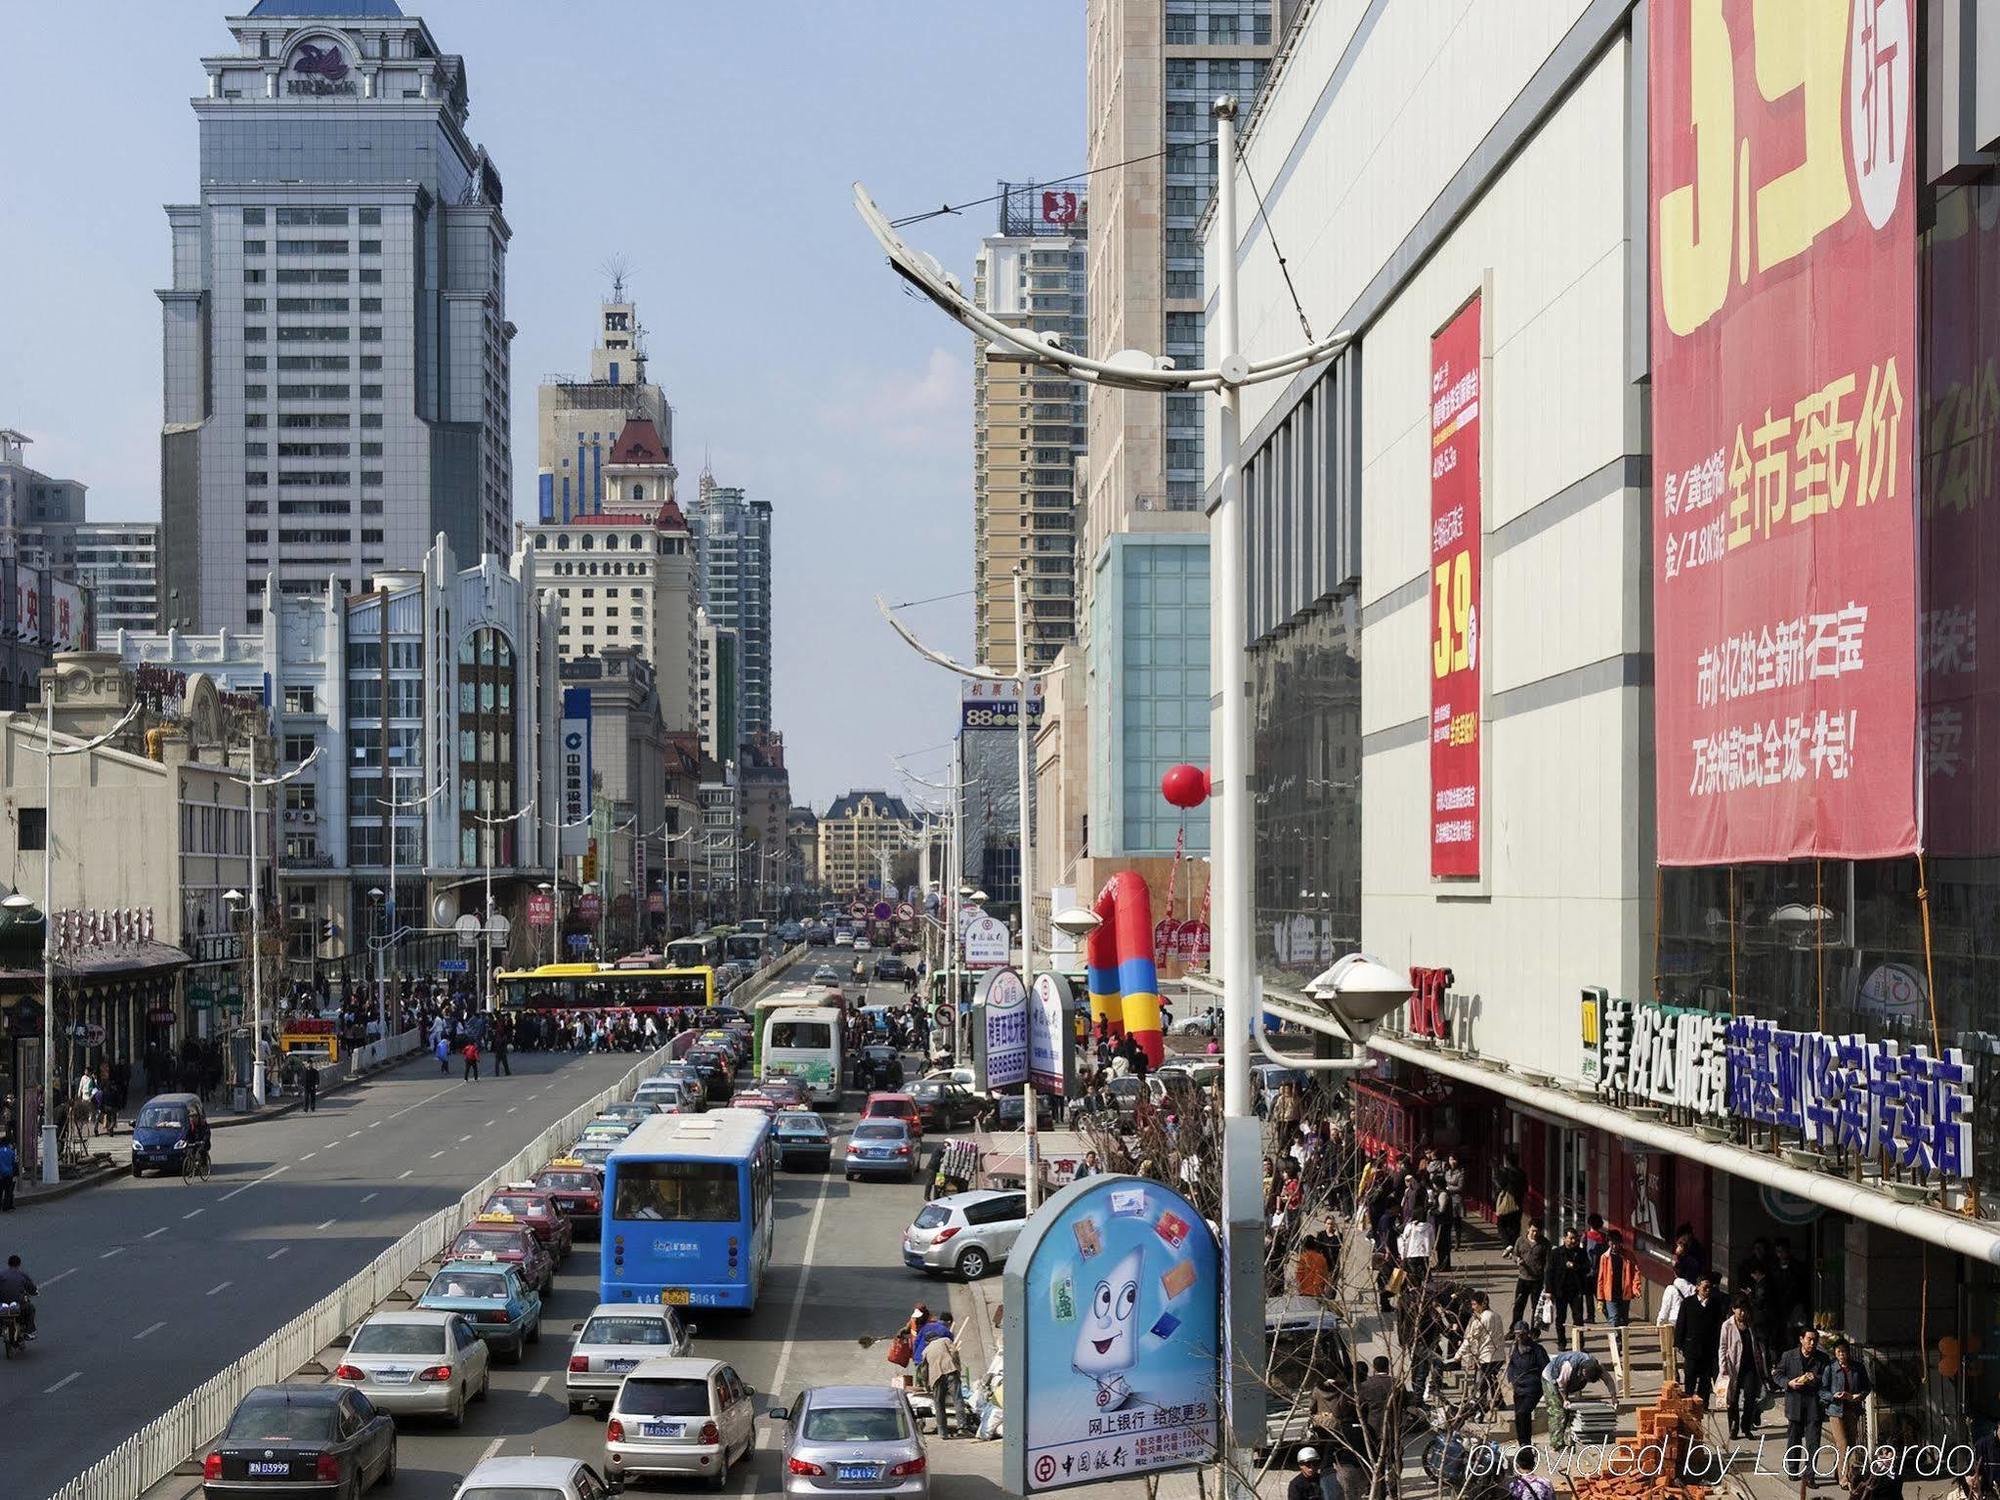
1455,568
1784,369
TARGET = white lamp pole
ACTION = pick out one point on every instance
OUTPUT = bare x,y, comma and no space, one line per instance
253,784
51,1146
486,926
390,807
557,828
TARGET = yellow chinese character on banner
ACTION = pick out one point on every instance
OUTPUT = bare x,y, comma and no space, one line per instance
1876,439
1739,492
1770,470
1821,475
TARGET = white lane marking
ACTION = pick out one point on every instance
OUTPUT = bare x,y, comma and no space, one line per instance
463,1139
404,1173
277,1252
153,1234
221,1286
147,1332
52,1280
327,1225
799,1292
429,1098
512,1107
114,1250
373,1123
249,1185
195,1214
436,1154
491,1448
364,1200
489,1124
352,1134
73,1375
329,1145
540,1386
309,1156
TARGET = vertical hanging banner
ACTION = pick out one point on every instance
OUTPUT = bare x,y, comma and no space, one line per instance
1784,401
1456,557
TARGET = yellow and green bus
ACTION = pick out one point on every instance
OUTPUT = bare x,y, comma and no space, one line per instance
603,987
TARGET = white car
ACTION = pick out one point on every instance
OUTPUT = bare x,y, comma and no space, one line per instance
843,940
616,1339
1202,1024
964,1077
690,1418
417,1362
862,945
544,1478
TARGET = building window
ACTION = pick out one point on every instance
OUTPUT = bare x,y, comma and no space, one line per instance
298,700
34,828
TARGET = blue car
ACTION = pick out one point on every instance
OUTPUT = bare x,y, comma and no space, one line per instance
501,1307
164,1129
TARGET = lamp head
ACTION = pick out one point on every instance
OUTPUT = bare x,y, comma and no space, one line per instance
1077,922
1359,993
233,897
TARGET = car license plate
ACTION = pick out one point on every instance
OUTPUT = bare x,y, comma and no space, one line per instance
394,1377
663,1429
567,1205
675,1296
850,1472
261,1470
618,1366
877,1155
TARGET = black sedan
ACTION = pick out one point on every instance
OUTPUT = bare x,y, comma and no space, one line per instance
944,1105
712,1065
801,1140
1011,1114
890,967
878,1065
301,1440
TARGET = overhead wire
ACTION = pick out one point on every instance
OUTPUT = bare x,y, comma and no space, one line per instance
952,208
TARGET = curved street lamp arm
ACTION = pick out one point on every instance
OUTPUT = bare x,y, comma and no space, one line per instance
101,740
938,658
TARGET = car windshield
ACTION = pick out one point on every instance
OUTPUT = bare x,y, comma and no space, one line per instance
268,1421
163,1116
801,1125
930,1216
625,1331
398,1338
499,1241
890,1109
468,1284
570,1182
854,1424
877,1130
521,1207
664,1398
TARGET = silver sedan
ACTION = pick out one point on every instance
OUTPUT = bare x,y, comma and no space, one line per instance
613,1341
843,1438
417,1362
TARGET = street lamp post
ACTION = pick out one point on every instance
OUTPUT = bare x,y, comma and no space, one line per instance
486,925
557,828
390,807
380,945
51,1147
253,784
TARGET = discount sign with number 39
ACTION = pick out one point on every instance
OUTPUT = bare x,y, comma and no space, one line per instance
1455,568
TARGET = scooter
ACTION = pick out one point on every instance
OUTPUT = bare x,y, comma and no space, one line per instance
13,1329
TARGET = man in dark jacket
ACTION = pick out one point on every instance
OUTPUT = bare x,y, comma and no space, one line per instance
1381,1403
1525,1364
1566,1279
1531,1264
1801,1374
1697,1332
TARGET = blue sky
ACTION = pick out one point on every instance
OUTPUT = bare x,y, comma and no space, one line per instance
712,146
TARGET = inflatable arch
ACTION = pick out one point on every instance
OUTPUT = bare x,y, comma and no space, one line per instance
1124,983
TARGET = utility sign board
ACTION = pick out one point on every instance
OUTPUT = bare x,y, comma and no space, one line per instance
1000,1031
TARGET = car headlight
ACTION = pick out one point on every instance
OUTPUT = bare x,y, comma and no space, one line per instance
180,1140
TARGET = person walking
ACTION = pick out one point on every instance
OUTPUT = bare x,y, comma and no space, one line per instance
1567,1281
1313,1481
1482,1350
941,1369
1845,1394
1802,1375
311,1080
471,1061
1697,1332
1740,1371
1524,1379
1531,1264
500,1064
1510,1196
443,1049
1619,1280
10,1165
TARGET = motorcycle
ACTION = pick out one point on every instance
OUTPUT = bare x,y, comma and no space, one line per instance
13,1329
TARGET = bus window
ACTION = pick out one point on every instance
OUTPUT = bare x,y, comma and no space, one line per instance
813,1034
697,1191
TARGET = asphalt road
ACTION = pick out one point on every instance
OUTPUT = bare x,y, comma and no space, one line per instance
836,1274
151,1286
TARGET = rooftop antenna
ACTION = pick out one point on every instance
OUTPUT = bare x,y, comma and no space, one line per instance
617,269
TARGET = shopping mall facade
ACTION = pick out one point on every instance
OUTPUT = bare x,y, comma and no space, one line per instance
1613,632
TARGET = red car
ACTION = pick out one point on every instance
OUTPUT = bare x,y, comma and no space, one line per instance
537,1210
895,1107
754,1099
504,1238
577,1191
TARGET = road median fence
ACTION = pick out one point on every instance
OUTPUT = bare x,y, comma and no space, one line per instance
170,1439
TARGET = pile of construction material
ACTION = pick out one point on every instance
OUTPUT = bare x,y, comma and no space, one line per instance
1649,1466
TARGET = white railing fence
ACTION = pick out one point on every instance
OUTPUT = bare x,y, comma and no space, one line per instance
163,1444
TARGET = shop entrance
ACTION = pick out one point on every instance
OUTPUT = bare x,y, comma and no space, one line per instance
1567,1173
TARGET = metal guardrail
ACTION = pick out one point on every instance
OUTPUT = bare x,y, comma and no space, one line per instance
153,1452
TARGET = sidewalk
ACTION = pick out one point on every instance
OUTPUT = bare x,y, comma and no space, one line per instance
33,1193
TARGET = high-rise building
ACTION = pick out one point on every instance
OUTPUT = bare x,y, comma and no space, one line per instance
718,688
733,572
34,507
854,833
1028,426
118,562
335,327
623,573
580,422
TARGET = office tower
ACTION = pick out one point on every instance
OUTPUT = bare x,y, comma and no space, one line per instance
118,562
1027,426
578,422
733,572
34,508
335,327
718,687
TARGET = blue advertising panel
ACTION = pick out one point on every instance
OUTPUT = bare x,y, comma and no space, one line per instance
1113,1295
575,770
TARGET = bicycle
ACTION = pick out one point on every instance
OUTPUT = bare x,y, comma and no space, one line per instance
195,1164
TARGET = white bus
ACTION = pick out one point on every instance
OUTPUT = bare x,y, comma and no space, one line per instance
802,1042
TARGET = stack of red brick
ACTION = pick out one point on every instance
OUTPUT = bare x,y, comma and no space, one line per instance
1648,1466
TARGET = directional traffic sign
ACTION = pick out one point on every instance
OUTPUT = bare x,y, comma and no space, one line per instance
453,966
882,910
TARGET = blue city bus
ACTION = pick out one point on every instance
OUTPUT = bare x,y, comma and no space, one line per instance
687,1217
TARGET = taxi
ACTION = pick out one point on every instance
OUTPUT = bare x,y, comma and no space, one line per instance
493,1296
753,1099
610,1131
577,1191
533,1207
593,1154
508,1241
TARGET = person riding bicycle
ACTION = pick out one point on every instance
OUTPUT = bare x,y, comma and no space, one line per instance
200,1134
17,1286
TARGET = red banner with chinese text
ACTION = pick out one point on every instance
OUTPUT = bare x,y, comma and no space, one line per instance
1784,398
1456,557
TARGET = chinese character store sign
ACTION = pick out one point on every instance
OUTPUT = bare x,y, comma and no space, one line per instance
1784,344
1455,587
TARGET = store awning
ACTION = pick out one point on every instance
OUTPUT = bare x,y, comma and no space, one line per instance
99,964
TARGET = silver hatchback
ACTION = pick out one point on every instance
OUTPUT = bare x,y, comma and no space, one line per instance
969,1233
840,1439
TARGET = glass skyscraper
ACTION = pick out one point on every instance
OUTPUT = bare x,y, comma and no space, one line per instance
336,339
732,540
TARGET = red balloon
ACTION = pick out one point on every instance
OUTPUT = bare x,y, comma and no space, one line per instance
1185,786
